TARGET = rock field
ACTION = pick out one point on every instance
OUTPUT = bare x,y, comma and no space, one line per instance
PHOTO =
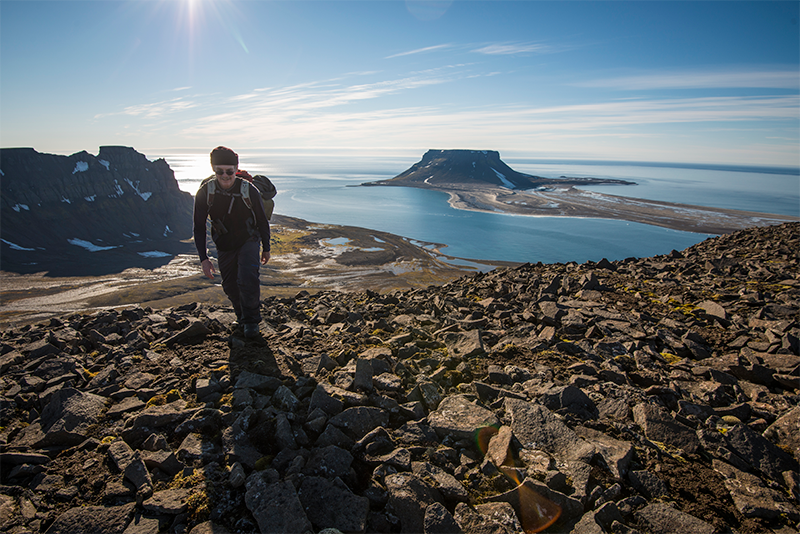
654,395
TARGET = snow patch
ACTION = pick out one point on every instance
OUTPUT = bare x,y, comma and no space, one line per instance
64,199
90,199
135,187
91,247
15,246
80,166
104,163
118,187
18,207
154,254
503,179
166,231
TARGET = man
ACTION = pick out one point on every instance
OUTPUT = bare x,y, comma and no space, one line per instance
236,229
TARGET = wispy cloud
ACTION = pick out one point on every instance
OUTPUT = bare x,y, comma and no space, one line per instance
420,50
328,113
510,49
153,110
769,79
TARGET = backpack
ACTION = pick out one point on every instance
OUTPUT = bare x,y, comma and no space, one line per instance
265,187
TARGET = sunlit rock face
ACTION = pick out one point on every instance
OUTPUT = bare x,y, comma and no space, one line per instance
63,208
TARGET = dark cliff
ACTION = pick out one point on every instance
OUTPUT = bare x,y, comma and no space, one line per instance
70,214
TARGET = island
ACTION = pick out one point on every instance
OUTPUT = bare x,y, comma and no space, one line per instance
479,180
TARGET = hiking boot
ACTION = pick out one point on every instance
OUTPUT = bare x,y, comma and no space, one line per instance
251,330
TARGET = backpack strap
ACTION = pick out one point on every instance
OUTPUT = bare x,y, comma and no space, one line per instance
245,190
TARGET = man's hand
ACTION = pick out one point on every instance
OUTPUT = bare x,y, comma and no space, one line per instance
265,257
208,269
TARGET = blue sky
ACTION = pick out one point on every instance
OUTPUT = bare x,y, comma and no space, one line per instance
700,82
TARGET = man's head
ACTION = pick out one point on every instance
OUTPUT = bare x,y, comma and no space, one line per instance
225,163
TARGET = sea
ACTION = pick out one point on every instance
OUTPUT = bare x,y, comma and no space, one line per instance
325,190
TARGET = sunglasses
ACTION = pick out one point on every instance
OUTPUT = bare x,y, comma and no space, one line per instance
229,172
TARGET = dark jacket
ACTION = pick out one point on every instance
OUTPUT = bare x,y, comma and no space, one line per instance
235,217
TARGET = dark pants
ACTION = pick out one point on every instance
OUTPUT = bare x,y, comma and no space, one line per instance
239,270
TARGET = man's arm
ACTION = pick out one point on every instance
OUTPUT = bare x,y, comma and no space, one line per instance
199,217
262,223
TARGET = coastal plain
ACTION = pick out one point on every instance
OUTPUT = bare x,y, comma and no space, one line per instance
574,202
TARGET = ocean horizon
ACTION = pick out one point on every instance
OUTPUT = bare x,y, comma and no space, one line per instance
323,189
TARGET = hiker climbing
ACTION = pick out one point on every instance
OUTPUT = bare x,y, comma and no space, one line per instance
238,223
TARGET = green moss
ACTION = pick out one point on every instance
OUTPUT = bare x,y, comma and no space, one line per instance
198,506
264,462
672,359
160,400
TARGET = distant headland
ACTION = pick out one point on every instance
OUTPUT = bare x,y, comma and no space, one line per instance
478,180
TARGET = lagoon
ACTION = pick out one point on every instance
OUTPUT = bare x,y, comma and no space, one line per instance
330,195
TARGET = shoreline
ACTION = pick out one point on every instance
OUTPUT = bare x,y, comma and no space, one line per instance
577,203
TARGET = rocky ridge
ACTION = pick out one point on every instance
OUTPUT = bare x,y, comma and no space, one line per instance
651,395
80,213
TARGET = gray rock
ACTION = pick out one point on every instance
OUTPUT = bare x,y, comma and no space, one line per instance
408,498
752,497
784,432
502,513
426,392
664,519
238,446
359,420
143,525
321,399
198,447
464,344
330,503
165,460
169,501
570,399
333,436
236,476
362,380
648,484
284,436
617,454
659,425
450,488
470,520
65,419
93,520
131,464
285,399
329,462
195,329
257,382
9,511
759,452
588,524
438,520
713,309
128,404
536,427
276,507
526,500
456,416
209,527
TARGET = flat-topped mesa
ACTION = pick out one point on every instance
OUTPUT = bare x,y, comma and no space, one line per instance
443,167
448,168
